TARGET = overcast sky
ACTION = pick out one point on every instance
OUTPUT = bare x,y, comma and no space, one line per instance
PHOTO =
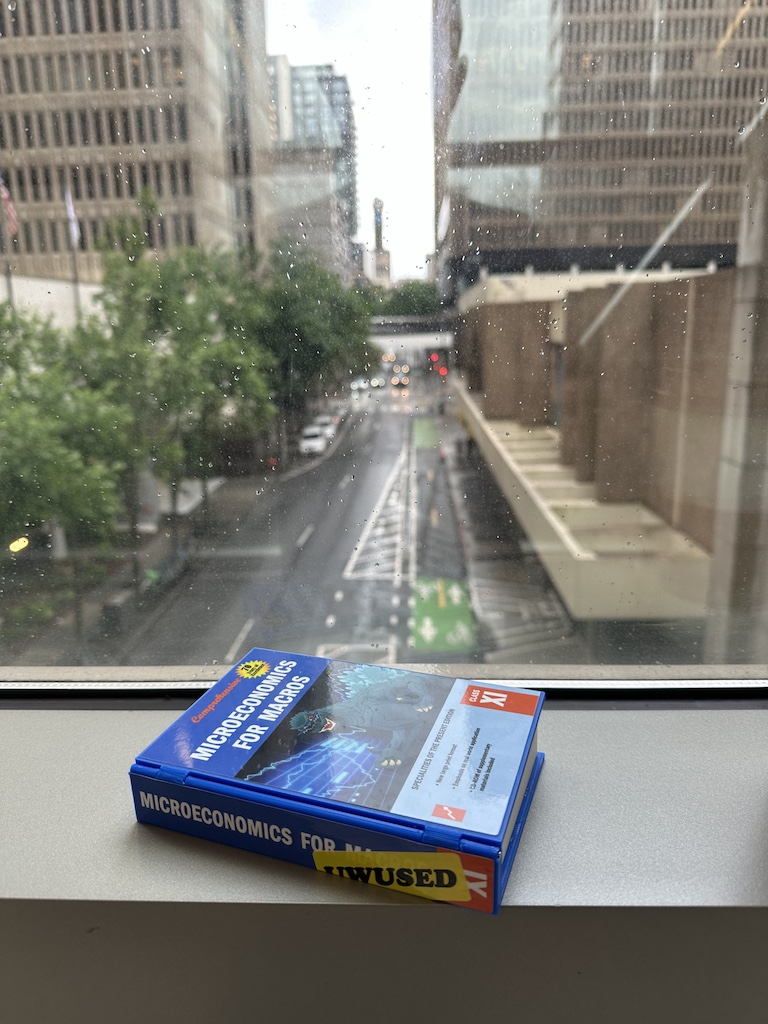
384,49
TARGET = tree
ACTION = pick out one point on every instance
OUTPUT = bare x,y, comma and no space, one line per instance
316,330
409,298
51,470
216,382
167,336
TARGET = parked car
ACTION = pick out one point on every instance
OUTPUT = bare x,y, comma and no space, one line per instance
312,441
328,424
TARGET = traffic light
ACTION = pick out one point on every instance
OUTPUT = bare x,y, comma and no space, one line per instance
438,362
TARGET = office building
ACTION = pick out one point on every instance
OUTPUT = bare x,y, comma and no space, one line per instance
105,101
314,140
597,120
490,101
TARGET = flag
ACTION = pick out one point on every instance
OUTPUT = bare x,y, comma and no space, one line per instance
11,217
74,226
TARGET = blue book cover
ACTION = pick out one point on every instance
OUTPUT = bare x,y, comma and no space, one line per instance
403,779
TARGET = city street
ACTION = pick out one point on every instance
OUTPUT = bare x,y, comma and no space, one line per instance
393,546
340,557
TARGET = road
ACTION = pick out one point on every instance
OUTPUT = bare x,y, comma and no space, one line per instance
354,555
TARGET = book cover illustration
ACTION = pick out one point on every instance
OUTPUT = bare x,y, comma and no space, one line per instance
385,739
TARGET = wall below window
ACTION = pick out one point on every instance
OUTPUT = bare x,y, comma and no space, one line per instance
639,891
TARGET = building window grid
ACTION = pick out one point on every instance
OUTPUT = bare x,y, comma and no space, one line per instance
9,80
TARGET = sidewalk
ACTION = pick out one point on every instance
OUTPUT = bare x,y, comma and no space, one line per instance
116,601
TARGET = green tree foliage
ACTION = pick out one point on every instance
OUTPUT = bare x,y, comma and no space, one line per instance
316,330
409,298
181,353
57,463
169,340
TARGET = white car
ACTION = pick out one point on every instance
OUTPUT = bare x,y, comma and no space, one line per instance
312,441
359,384
328,424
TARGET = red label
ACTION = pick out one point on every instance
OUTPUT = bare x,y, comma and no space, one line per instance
451,813
501,700
479,873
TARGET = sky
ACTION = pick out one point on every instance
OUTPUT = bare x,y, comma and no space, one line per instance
384,49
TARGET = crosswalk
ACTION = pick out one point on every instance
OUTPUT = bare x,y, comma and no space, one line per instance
381,547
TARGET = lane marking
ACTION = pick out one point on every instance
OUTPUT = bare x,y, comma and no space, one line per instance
338,596
373,524
330,621
344,482
231,654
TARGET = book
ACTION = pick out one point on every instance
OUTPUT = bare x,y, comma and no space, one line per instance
410,781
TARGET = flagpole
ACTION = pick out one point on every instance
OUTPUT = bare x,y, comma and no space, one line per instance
75,279
8,273
8,227
74,238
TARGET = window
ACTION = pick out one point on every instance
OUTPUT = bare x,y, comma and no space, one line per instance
78,71
122,78
21,74
34,70
65,82
8,79
56,127
126,120
21,185
565,138
69,126
50,73
58,18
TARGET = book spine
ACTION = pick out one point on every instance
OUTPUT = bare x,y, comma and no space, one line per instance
336,848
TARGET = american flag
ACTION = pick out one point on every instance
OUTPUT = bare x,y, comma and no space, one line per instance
11,217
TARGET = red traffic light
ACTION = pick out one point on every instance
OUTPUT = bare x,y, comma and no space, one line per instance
434,357
443,371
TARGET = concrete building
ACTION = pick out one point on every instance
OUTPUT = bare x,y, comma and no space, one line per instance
572,132
623,416
315,161
579,435
105,100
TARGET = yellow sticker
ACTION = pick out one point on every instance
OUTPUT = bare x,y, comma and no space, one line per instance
436,876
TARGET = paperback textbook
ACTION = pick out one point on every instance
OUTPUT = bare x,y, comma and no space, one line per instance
406,780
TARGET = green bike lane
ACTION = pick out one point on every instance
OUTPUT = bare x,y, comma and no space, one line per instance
442,619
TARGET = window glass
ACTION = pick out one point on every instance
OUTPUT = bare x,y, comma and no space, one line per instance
443,346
